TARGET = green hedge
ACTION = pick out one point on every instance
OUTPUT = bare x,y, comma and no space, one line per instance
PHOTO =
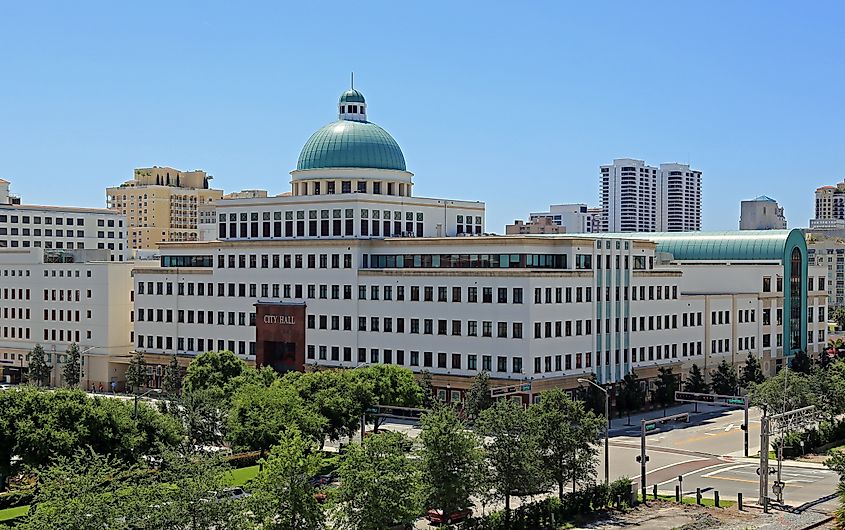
539,515
240,460
815,437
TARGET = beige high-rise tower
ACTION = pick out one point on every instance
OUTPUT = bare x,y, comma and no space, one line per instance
160,204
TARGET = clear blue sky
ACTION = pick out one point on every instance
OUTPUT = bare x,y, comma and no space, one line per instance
515,104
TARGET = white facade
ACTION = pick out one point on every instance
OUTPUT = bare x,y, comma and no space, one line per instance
637,197
55,298
577,218
679,198
60,227
762,213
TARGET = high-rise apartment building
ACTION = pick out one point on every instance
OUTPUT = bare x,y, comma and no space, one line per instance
762,213
637,197
161,204
830,208
679,198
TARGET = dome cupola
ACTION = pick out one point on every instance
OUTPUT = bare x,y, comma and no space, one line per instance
352,106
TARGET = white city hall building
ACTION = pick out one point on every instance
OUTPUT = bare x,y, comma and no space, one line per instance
352,269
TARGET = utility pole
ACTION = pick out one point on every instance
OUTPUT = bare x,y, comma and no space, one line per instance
797,417
764,460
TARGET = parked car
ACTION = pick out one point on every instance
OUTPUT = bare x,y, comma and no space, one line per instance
231,494
436,516
320,480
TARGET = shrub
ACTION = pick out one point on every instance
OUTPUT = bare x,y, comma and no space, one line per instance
240,460
621,487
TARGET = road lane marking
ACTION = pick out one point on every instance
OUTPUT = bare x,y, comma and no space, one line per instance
729,468
729,427
734,479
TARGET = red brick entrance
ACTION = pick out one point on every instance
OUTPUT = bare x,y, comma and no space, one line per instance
280,336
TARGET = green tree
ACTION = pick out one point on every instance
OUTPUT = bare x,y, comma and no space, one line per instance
801,362
450,459
172,377
664,388
136,373
752,373
388,385
283,498
838,316
785,391
512,451
427,389
379,485
568,436
39,371
40,427
478,397
188,489
631,395
260,415
592,397
72,370
203,414
695,382
724,379
333,393
213,368
86,492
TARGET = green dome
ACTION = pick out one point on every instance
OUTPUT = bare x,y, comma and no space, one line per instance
347,143
352,96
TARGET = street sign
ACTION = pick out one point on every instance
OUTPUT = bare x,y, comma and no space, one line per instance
711,399
507,390
772,471
650,426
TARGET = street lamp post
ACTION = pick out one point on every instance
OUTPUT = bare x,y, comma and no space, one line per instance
606,427
139,396
82,355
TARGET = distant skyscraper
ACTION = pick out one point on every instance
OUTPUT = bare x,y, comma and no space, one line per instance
636,197
762,213
830,208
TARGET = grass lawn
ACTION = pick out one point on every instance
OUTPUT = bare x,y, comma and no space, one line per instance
11,513
705,501
239,477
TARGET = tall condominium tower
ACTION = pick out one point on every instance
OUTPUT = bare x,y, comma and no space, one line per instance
161,204
637,197
830,208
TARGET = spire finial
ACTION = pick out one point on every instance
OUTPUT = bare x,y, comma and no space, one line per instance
352,80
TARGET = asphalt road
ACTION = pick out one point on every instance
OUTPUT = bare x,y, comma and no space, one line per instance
709,453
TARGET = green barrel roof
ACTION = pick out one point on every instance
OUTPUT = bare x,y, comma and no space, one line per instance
351,144
728,245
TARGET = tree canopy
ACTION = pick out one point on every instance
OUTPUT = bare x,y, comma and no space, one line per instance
450,460
567,435
724,379
512,451
379,485
213,369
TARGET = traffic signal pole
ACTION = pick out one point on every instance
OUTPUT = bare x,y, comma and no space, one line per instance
642,458
647,426
745,427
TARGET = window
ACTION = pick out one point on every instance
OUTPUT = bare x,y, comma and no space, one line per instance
501,363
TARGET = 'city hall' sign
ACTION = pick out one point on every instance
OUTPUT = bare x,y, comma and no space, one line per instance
281,320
